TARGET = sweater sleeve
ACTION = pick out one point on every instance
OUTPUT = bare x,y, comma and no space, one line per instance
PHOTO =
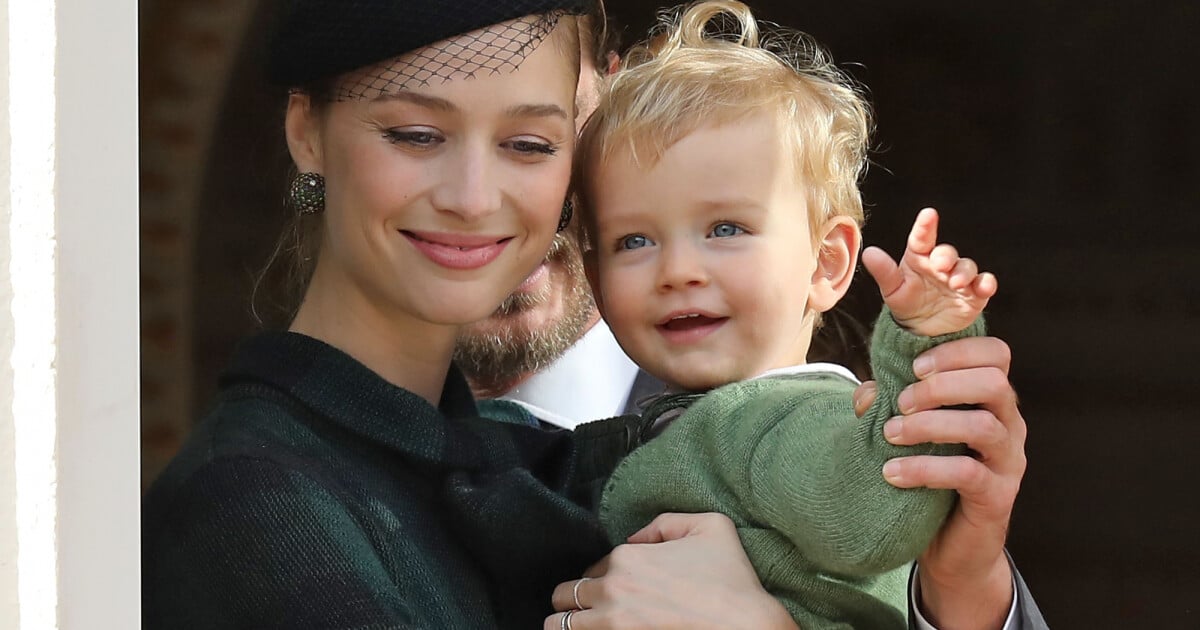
248,543
813,470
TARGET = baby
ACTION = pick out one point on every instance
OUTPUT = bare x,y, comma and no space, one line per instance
718,186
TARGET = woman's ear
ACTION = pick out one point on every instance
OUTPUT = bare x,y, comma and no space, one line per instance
301,125
614,62
840,240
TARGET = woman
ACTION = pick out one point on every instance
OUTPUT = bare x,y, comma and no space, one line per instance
340,480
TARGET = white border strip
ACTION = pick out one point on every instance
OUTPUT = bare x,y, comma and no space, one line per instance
32,109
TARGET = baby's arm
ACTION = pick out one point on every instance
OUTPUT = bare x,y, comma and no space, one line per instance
864,526
932,291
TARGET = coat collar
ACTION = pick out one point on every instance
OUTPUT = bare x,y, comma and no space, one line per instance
335,386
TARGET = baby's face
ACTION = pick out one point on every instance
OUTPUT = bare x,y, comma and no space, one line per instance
704,261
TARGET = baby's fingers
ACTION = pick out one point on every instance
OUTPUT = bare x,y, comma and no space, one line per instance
923,236
985,285
964,273
943,258
886,272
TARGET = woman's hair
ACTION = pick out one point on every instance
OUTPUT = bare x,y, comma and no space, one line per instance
597,35
712,64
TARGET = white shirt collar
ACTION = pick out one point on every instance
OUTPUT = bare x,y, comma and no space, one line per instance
808,368
590,381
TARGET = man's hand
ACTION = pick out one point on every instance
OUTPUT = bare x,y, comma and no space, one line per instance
965,578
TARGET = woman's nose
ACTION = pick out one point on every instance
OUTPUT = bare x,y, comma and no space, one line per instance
469,188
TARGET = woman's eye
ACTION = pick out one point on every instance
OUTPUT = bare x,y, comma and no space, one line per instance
532,147
724,230
416,138
633,241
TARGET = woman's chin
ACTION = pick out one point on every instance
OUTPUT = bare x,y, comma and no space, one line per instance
462,313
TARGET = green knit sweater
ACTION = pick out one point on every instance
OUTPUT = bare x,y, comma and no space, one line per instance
801,476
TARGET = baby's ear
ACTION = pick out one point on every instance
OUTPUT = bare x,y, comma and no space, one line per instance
840,240
590,268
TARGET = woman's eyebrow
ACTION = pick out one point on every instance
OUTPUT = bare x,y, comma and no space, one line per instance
527,110
538,111
422,100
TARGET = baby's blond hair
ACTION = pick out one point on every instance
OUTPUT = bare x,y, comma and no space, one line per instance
712,64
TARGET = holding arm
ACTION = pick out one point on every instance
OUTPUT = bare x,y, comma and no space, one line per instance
933,295
964,575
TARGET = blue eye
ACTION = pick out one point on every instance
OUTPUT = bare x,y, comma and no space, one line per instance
725,230
633,241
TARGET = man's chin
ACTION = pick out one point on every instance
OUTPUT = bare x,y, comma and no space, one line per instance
534,326
522,318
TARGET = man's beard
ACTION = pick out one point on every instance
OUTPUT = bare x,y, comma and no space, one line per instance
501,351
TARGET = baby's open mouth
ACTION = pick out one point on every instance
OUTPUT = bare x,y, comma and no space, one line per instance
691,321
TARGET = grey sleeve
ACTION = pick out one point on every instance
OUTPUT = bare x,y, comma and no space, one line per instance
1029,616
1024,614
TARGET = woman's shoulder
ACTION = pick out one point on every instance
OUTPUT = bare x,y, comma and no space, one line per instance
240,428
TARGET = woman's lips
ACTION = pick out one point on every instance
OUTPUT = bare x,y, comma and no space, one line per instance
457,251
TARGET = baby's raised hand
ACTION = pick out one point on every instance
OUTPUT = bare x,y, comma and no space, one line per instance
932,291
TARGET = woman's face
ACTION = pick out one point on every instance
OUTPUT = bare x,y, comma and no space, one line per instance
442,198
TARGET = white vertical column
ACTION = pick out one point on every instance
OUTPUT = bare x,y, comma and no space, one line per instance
9,612
98,345
31,241
69,487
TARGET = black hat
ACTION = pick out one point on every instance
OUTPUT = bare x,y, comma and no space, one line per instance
319,39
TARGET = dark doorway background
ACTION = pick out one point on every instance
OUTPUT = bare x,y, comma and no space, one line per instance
1059,139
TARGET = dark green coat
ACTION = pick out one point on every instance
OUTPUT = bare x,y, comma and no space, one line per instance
317,495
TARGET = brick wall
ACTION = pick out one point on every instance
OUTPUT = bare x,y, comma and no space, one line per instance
187,50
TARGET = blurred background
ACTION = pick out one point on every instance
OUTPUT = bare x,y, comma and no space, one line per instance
1059,140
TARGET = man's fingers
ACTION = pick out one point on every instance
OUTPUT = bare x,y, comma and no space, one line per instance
864,396
986,386
978,429
964,474
986,498
972,352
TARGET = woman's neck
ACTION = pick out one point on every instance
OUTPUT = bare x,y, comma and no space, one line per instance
407,353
